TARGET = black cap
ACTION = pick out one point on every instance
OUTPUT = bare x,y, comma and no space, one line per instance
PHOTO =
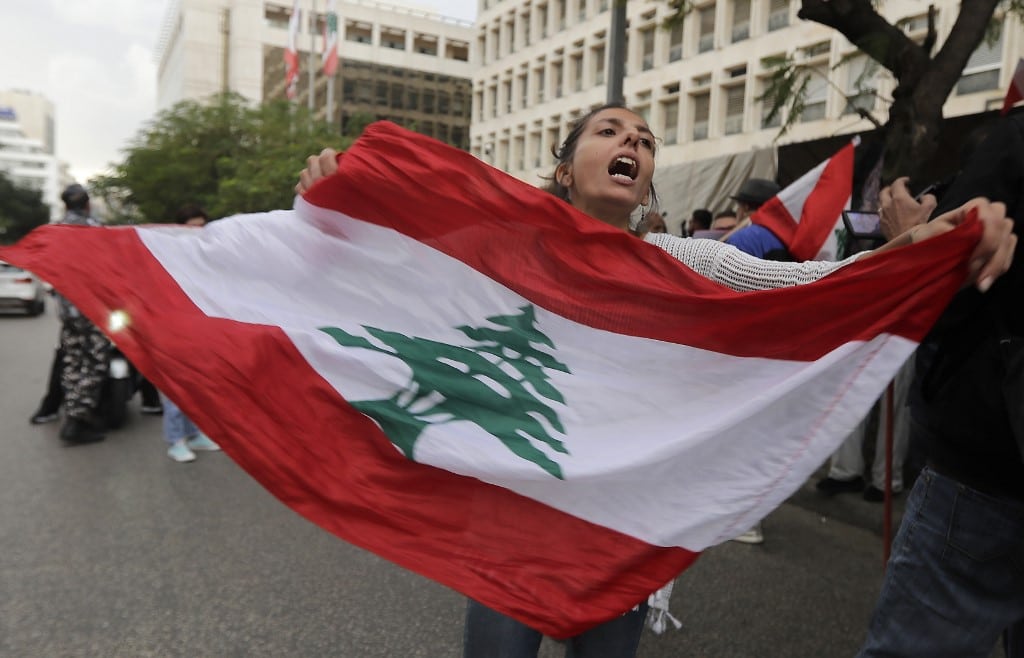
74,196
755,191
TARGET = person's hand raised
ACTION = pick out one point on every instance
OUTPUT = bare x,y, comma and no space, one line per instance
899,211
317,166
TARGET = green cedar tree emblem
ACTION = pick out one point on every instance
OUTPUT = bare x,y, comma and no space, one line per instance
498,384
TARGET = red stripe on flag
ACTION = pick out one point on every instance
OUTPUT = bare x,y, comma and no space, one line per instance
589,272
291,431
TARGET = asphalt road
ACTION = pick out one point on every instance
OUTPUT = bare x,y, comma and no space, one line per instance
112,549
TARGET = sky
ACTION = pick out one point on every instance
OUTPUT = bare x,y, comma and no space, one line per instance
94,59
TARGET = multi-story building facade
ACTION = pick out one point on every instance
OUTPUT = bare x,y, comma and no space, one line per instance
543,63
395,63
27,158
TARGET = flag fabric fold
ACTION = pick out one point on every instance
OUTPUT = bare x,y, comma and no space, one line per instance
805,214
329,58
470,378
291,52
1015,92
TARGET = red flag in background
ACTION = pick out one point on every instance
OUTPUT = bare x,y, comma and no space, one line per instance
330,54
805,213
1016,91
291,53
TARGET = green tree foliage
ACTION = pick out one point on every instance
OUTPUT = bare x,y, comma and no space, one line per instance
21,210
225,154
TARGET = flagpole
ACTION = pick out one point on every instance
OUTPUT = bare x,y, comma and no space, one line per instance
330,99
312,55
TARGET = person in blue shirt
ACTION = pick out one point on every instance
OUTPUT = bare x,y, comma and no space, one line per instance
755,239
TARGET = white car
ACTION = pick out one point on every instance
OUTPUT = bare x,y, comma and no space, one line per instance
21,289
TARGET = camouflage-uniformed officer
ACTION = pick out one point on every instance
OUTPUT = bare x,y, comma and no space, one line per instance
86,349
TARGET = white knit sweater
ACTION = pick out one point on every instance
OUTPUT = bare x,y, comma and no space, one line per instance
731,267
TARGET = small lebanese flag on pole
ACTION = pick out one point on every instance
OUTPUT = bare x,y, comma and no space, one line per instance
291,52
469,377
805,214
330,54
1016,91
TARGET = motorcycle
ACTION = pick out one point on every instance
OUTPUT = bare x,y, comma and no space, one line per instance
120,386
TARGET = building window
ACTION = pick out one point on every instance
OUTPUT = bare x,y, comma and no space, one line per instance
701,114
982,70
557,73
817,94
510,31
538,74
647,47
778,15
519,156
391,38
358,32
675,43
860,94
706,36
457,50
740,20
767,102
424,44
493,93
535,148
734,102
576,62
598,52
670,110
524,92
542,20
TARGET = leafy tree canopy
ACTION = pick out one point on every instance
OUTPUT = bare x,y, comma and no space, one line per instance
21,210
225,154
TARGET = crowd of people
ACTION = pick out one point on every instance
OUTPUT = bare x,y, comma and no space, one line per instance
955,581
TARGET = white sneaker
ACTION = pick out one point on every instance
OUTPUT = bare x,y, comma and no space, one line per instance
180,452
202,442
752,536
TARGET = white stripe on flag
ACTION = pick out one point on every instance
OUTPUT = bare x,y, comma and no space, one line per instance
653,454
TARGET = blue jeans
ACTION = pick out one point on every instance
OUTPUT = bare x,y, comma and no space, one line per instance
177,426
490,634
955,578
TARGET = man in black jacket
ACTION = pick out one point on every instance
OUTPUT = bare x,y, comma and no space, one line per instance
955,579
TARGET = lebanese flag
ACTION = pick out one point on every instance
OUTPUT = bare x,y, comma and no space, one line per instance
1015,93
291,52
469,377
330,54
805,214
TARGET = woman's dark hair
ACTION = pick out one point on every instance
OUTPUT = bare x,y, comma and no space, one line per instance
190,211
567,149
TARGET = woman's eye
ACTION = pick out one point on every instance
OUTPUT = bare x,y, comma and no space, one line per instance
607,131
648,143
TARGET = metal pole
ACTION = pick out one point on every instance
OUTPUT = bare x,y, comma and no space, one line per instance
312,54
330,100
890,397
617,52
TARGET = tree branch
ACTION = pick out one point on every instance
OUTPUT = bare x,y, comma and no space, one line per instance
858,21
